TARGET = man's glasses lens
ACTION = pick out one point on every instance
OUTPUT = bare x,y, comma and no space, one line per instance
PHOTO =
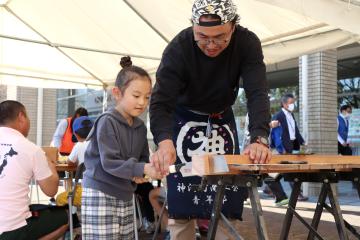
208,41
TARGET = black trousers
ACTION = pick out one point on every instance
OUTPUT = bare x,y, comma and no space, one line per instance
344,150
276,188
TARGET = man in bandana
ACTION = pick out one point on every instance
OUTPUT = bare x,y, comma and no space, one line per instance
197,82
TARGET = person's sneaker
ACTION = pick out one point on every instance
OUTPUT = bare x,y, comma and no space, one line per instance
302,198
150,228
282,202
268,192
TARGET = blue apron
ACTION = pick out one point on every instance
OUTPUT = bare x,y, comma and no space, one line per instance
196,133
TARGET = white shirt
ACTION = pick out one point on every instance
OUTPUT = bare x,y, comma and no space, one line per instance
59,133
78,152
291,124
20,161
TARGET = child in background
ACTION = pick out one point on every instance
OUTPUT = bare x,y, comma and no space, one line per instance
81,128
117,158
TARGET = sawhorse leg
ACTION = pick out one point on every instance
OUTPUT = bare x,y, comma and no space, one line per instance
215,214
289,213
230,228
318,211
329,189
251,183
357,185
347,225
336,211
257,211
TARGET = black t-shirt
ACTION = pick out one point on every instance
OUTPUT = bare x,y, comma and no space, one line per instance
187,77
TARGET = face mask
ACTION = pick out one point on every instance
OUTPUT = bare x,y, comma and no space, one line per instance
346,115
291,107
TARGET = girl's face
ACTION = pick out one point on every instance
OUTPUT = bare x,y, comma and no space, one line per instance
134,100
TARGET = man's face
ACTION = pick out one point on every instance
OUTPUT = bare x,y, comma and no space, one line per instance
347,111
213,40
287,104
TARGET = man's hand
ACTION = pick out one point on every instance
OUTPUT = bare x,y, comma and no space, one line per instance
258,153
274,124
164,157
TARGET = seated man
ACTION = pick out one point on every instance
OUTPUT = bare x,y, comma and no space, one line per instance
81,129
20,161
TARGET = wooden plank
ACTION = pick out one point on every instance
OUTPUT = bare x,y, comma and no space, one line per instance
62,167
51,153
241,163
268,168
244,159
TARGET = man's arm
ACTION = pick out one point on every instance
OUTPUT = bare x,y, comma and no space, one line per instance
169,82
256,89
258,105
45,173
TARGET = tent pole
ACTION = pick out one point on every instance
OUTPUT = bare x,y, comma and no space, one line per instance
58,48
47,78
146,21
39,116
58,45
297,31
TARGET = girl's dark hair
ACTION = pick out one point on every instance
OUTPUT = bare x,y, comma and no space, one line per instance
128,73
9,111
81,112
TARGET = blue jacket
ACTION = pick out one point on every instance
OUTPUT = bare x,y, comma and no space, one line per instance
343,128
276,139
285,137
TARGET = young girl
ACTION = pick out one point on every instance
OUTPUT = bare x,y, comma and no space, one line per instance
116,158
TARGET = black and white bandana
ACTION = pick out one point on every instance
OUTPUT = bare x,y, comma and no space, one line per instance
225,9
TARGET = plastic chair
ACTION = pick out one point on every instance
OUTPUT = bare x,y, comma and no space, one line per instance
71,195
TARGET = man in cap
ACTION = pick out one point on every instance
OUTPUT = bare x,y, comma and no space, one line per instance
198,80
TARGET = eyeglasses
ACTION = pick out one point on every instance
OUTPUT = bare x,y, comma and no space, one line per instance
216,41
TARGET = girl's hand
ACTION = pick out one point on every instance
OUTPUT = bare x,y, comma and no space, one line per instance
151,171
140,180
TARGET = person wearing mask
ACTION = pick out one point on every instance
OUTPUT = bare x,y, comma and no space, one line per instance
273,187
291,138
64,139
197,82
343,130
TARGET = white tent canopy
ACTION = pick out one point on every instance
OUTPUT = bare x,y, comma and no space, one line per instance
78,43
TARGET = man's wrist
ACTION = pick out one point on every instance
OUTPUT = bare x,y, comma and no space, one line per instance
261,140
